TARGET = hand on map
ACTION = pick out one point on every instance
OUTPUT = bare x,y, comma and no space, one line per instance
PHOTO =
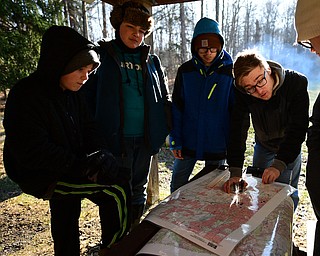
270,175
235,184
177,153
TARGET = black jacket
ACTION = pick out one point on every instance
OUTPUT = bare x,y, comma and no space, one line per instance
313,143
280,124
48,130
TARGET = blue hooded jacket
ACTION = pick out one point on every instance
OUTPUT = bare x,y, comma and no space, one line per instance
202,101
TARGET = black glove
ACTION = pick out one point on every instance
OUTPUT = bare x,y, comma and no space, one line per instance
102,168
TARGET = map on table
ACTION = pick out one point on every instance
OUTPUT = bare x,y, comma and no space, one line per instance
201,212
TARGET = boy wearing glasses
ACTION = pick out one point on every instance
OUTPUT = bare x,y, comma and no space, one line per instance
277,101
202,101
307,25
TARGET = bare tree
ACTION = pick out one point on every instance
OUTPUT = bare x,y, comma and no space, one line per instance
233,28
104,20
66,12
84,19
270,17
217,10
257,34
183,33
247,23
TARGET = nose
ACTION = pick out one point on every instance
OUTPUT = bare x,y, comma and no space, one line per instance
259,90
136,32
85,75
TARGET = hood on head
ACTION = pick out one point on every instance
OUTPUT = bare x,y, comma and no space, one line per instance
206,26
82,59
59,45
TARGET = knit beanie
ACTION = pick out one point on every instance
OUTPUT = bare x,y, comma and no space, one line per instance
81,59
132,12
207,41
307,20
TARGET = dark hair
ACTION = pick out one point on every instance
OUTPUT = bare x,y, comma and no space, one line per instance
245,62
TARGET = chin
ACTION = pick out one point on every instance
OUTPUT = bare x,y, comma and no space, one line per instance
266,97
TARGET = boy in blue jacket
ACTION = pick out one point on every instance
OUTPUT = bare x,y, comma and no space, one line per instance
202,100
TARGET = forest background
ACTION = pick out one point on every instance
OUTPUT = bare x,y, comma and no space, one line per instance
266,25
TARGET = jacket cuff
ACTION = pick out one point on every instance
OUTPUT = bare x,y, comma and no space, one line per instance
235,172
173,144
278,164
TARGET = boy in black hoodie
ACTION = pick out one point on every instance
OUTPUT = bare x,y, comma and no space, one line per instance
53,149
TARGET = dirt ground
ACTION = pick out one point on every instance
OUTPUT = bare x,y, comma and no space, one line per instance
25,220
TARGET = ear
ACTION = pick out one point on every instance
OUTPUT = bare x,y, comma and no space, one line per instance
269,70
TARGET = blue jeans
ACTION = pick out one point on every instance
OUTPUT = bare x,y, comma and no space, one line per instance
137,159
263,158
183,168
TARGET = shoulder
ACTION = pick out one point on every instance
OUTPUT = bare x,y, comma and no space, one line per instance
24,96
154,57
225,64
295,79
187,66
227,57
294,87
104,47
296,75
103,43
27,87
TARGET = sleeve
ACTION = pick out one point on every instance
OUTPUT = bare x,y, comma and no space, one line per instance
28,142
164,90
313,143
313,139
177,112
239,126
92,132
89,89
298,121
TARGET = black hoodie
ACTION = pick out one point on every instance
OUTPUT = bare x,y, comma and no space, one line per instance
48,130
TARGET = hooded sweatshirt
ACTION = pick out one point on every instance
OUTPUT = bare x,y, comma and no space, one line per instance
48,131
280,123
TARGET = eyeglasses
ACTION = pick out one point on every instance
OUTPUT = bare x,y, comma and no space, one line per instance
306,44
262,82
205,50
